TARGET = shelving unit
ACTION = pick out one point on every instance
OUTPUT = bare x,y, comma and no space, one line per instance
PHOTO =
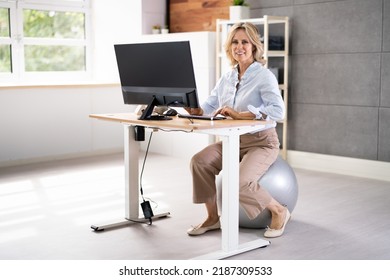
281,27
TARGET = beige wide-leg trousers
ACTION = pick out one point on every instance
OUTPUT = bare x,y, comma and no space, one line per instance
257,153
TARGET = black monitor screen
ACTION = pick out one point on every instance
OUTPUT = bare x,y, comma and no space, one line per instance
157,74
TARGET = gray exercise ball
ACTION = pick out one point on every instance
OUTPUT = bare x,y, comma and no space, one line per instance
280,181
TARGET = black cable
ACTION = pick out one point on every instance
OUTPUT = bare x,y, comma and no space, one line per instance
146,155
142,172
143,166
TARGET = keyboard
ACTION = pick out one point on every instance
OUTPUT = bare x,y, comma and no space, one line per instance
203,117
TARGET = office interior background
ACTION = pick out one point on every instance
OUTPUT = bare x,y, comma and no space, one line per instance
339,93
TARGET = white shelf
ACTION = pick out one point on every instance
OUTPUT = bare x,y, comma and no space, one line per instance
277,53
263,20
222,64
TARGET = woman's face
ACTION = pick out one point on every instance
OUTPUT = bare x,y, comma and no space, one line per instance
242,48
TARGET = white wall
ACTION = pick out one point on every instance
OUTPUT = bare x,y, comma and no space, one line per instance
45,123
120,21
113,22
154,12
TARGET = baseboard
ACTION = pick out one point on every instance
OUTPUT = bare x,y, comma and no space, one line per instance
371,169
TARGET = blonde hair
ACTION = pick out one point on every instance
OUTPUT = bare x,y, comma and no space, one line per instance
254,37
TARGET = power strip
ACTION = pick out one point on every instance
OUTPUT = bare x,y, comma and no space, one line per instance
148,213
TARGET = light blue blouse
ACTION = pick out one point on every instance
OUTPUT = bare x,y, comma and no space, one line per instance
257,92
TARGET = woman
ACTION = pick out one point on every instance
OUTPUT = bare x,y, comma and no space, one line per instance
247,91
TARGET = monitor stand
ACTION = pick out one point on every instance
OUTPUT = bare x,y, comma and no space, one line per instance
147,113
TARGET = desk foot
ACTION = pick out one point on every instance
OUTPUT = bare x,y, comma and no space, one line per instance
245,247
127,222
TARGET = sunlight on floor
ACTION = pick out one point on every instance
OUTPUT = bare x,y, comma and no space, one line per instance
17,222
16,187
84,208
12,235
59,198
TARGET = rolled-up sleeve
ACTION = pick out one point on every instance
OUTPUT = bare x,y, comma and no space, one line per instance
212,102
273,104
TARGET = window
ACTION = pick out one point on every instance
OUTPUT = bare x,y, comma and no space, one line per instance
5,41
43,38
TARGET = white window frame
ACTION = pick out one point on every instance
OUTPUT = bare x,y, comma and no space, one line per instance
11,5
18,41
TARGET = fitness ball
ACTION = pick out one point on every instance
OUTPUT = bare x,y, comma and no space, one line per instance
280,181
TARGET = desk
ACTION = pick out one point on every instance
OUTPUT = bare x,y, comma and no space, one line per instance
230,131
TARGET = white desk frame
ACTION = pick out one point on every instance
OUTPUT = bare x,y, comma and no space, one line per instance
230,203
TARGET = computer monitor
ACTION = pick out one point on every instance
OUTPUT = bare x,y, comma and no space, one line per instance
157,74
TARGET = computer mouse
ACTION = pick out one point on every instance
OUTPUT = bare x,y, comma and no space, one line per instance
170,112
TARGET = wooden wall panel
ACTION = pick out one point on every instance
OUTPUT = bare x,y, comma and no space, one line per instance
196,15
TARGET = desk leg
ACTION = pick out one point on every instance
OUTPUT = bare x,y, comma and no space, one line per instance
131,161
230,181
131,158
230,204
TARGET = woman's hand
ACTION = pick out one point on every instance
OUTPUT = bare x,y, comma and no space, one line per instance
194,111
230,112
227,112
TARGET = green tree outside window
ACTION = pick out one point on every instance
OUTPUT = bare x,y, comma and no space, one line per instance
55,25
54,58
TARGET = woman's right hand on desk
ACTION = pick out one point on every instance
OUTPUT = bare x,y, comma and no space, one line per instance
194,111
230,112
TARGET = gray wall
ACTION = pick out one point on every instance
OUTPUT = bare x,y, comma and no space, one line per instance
339,75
